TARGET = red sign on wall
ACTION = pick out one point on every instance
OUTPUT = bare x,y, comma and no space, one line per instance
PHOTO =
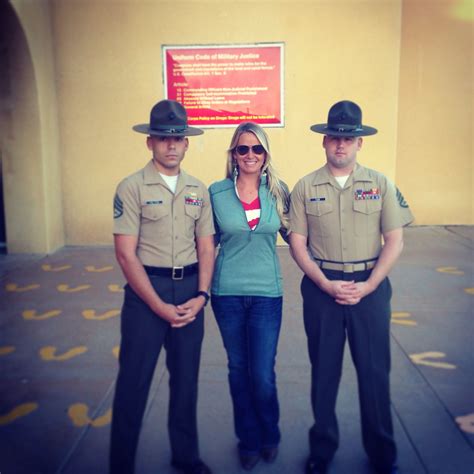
225,85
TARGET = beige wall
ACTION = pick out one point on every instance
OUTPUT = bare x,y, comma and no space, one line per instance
109,55
435,139
107,75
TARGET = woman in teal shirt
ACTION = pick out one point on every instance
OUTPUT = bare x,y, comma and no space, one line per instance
250,208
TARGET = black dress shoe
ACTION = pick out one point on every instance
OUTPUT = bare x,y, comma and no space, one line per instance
270,454
196,468
313,468
248,461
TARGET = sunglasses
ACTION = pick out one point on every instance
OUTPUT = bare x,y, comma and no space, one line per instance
244,149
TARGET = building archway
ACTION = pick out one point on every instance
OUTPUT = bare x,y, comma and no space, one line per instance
25,144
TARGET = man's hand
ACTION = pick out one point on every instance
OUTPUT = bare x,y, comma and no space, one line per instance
177,316
193,305
182,314
341,291
347,292
363,288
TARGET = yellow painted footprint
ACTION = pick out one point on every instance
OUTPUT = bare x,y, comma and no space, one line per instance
115,288
92,314
49,268
18,412
466,423
469,291
93,269
423,359
32,314
398,317
450,270
79,414
49,353
64,288
6,350
14,288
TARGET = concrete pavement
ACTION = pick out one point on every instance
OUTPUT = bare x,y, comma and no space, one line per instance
59,337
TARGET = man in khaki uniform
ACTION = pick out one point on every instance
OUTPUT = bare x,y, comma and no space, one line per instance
338,216
163,234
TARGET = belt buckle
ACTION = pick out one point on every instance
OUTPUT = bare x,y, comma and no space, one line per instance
348,268
177,273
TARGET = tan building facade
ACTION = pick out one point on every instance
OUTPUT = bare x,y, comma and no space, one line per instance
77,74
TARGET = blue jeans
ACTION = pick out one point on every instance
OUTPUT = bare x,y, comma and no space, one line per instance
250,326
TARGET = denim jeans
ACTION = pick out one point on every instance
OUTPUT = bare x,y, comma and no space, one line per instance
250,326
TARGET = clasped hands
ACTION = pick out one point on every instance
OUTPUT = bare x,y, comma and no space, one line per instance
347,292
182,314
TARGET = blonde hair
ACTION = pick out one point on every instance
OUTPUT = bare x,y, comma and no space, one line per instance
277,188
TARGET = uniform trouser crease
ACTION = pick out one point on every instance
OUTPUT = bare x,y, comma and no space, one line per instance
143,333
367,328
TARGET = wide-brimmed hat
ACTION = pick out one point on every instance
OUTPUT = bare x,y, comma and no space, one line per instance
168,118
344,120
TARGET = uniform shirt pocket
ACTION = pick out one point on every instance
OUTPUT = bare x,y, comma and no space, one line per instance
194,212
153,212
154,221
320,217
367,216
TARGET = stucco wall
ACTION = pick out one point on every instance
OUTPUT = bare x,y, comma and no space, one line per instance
408,66
110,74
435,140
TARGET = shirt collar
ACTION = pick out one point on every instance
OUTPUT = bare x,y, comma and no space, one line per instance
152,176
263,181
359,173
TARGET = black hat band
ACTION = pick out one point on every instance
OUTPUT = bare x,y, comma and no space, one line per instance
345,128
166,128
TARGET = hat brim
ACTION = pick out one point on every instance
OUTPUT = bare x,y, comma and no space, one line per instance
187,132
363,131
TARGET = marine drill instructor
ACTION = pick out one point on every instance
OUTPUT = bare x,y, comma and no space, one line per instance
163,234
339,215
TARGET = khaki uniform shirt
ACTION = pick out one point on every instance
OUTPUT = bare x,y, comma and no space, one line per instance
346,225
166,224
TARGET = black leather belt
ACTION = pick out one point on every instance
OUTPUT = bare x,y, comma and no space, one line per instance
175,273
349,267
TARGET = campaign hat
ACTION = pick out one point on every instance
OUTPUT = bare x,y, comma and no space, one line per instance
344,120
168,118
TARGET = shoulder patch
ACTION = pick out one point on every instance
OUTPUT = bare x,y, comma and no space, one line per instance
401,199
118,207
